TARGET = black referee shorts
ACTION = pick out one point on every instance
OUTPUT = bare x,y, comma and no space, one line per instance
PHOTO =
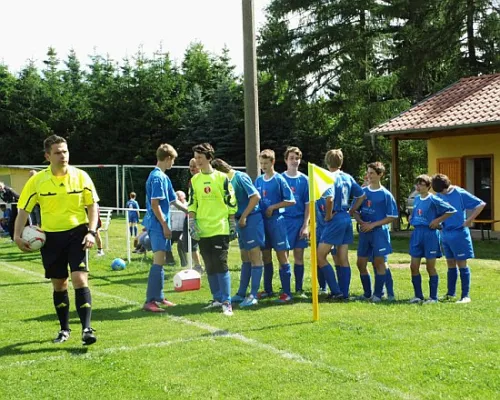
62,249
214,251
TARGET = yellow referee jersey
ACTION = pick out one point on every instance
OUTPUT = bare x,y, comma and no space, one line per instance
62,199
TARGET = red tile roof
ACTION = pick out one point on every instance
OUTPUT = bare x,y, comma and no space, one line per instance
470,102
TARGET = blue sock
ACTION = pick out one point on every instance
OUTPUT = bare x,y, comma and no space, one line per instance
465,280
389,283
256,277
213,282
246,273
331,280
375,274
321,279
452,281
379,285
433,287
286,277
135,230
224,279
416,280
154,291
366,281
268,277
131,230
298,272
345,277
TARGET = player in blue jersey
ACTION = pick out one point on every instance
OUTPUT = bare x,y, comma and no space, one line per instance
297,216
429,211
250,229
457,242
133,214
320,224
159,195
377,211
338,226
275,195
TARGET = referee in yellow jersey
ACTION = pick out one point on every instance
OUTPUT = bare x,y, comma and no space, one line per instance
63,193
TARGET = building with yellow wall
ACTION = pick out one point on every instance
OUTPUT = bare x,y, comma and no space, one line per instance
14,177
461,125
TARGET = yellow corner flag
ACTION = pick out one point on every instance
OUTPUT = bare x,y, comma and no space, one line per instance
319,181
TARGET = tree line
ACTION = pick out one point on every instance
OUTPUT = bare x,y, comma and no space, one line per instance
329,71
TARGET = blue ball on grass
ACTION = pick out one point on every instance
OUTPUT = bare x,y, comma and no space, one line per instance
118,264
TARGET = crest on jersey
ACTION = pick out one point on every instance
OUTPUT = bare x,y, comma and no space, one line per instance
322,207
420,212
207,189
293,189
264,193
369,203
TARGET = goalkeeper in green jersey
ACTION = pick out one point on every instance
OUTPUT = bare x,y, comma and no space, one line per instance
212,206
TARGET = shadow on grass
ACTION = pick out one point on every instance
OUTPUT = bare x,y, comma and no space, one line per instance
24,283
16,349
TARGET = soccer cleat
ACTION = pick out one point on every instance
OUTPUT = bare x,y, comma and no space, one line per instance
152,306
88,337
227,309
335,297
323,292
360,298
237,298
430,301
464,300
199,269
62,336
213,304
391,298
100,253
165,303
264,295
448,297
415,300
301,294
284,299
375,299
249,301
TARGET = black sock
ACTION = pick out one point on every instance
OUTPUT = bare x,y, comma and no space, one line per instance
83,302
61,303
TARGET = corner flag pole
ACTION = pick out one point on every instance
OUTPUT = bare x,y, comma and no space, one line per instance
314,257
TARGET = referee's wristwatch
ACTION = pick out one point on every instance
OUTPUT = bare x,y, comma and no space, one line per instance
93,233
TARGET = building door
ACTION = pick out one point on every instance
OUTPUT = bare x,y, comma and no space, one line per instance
451,167
479,181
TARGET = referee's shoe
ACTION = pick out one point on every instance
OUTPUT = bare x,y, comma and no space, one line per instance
88,337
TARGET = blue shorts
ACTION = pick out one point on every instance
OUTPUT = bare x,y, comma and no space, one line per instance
338,231
370,259
376,243
425,242
133,218
158,241
293,227
457,244
252,235
276,237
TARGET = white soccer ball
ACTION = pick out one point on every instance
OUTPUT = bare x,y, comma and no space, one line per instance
34,236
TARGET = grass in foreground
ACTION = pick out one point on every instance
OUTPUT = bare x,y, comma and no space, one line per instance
356,350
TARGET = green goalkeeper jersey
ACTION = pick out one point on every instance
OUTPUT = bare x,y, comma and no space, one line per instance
211,198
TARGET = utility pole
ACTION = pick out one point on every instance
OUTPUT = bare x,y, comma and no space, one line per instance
252,136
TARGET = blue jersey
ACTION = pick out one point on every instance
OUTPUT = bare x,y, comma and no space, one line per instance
321,207
299,185
273,191
243,190
344,188
427,209
461,200
379,204
158,186
132,205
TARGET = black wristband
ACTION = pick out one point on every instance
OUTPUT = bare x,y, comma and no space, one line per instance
93,233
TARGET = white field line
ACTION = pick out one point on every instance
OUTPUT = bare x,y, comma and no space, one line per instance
216,332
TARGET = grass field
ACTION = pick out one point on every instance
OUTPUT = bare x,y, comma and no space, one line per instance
356,351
